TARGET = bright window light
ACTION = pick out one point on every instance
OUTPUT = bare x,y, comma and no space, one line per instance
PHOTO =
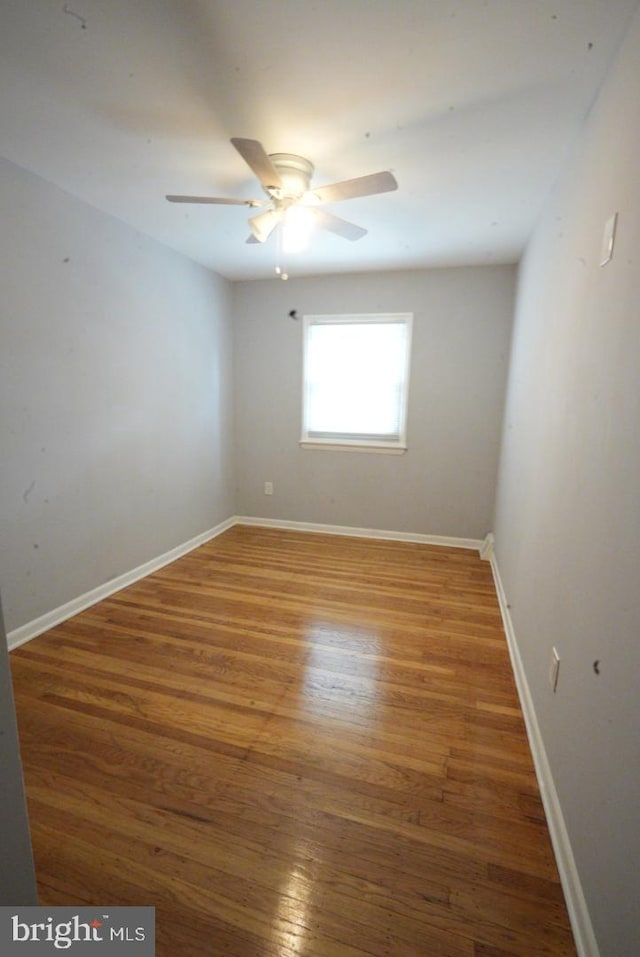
356,378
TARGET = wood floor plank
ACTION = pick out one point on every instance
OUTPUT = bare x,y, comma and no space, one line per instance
293,744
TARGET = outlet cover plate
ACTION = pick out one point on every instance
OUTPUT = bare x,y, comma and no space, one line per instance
608,240
554,669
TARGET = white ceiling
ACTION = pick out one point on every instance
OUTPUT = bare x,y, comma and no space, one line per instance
472,105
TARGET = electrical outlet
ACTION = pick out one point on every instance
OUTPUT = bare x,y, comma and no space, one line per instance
268,488
554,669
608,239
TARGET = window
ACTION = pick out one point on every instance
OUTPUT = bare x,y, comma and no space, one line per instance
355,381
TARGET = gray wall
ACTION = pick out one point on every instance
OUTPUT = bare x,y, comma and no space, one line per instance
116,439
444,484
17,875
568,505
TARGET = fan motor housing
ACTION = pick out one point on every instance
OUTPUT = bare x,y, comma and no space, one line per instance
295,173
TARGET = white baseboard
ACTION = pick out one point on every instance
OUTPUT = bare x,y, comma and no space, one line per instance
486,548
473,543
55,617
585,939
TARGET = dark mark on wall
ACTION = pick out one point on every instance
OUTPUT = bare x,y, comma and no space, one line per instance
596,666
27,492
72,13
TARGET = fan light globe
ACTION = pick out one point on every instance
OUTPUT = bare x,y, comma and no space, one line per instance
297,227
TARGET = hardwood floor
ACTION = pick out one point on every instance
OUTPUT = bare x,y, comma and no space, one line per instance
293,744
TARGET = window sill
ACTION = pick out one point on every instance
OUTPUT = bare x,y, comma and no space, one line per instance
353,447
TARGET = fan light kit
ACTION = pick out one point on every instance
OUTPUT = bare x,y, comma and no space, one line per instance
292,202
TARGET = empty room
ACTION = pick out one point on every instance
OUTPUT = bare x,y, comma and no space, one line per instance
320,477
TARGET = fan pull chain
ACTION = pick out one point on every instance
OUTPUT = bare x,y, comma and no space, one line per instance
279,271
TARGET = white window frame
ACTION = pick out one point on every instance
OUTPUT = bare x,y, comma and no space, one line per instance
344,441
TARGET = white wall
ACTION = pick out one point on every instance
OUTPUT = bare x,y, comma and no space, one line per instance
444,485
568,505
116,439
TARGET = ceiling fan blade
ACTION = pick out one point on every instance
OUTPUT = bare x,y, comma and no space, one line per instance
339,226
218,200
361,186
263,225
255,156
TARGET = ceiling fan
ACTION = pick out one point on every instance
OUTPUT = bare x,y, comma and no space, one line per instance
286,180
